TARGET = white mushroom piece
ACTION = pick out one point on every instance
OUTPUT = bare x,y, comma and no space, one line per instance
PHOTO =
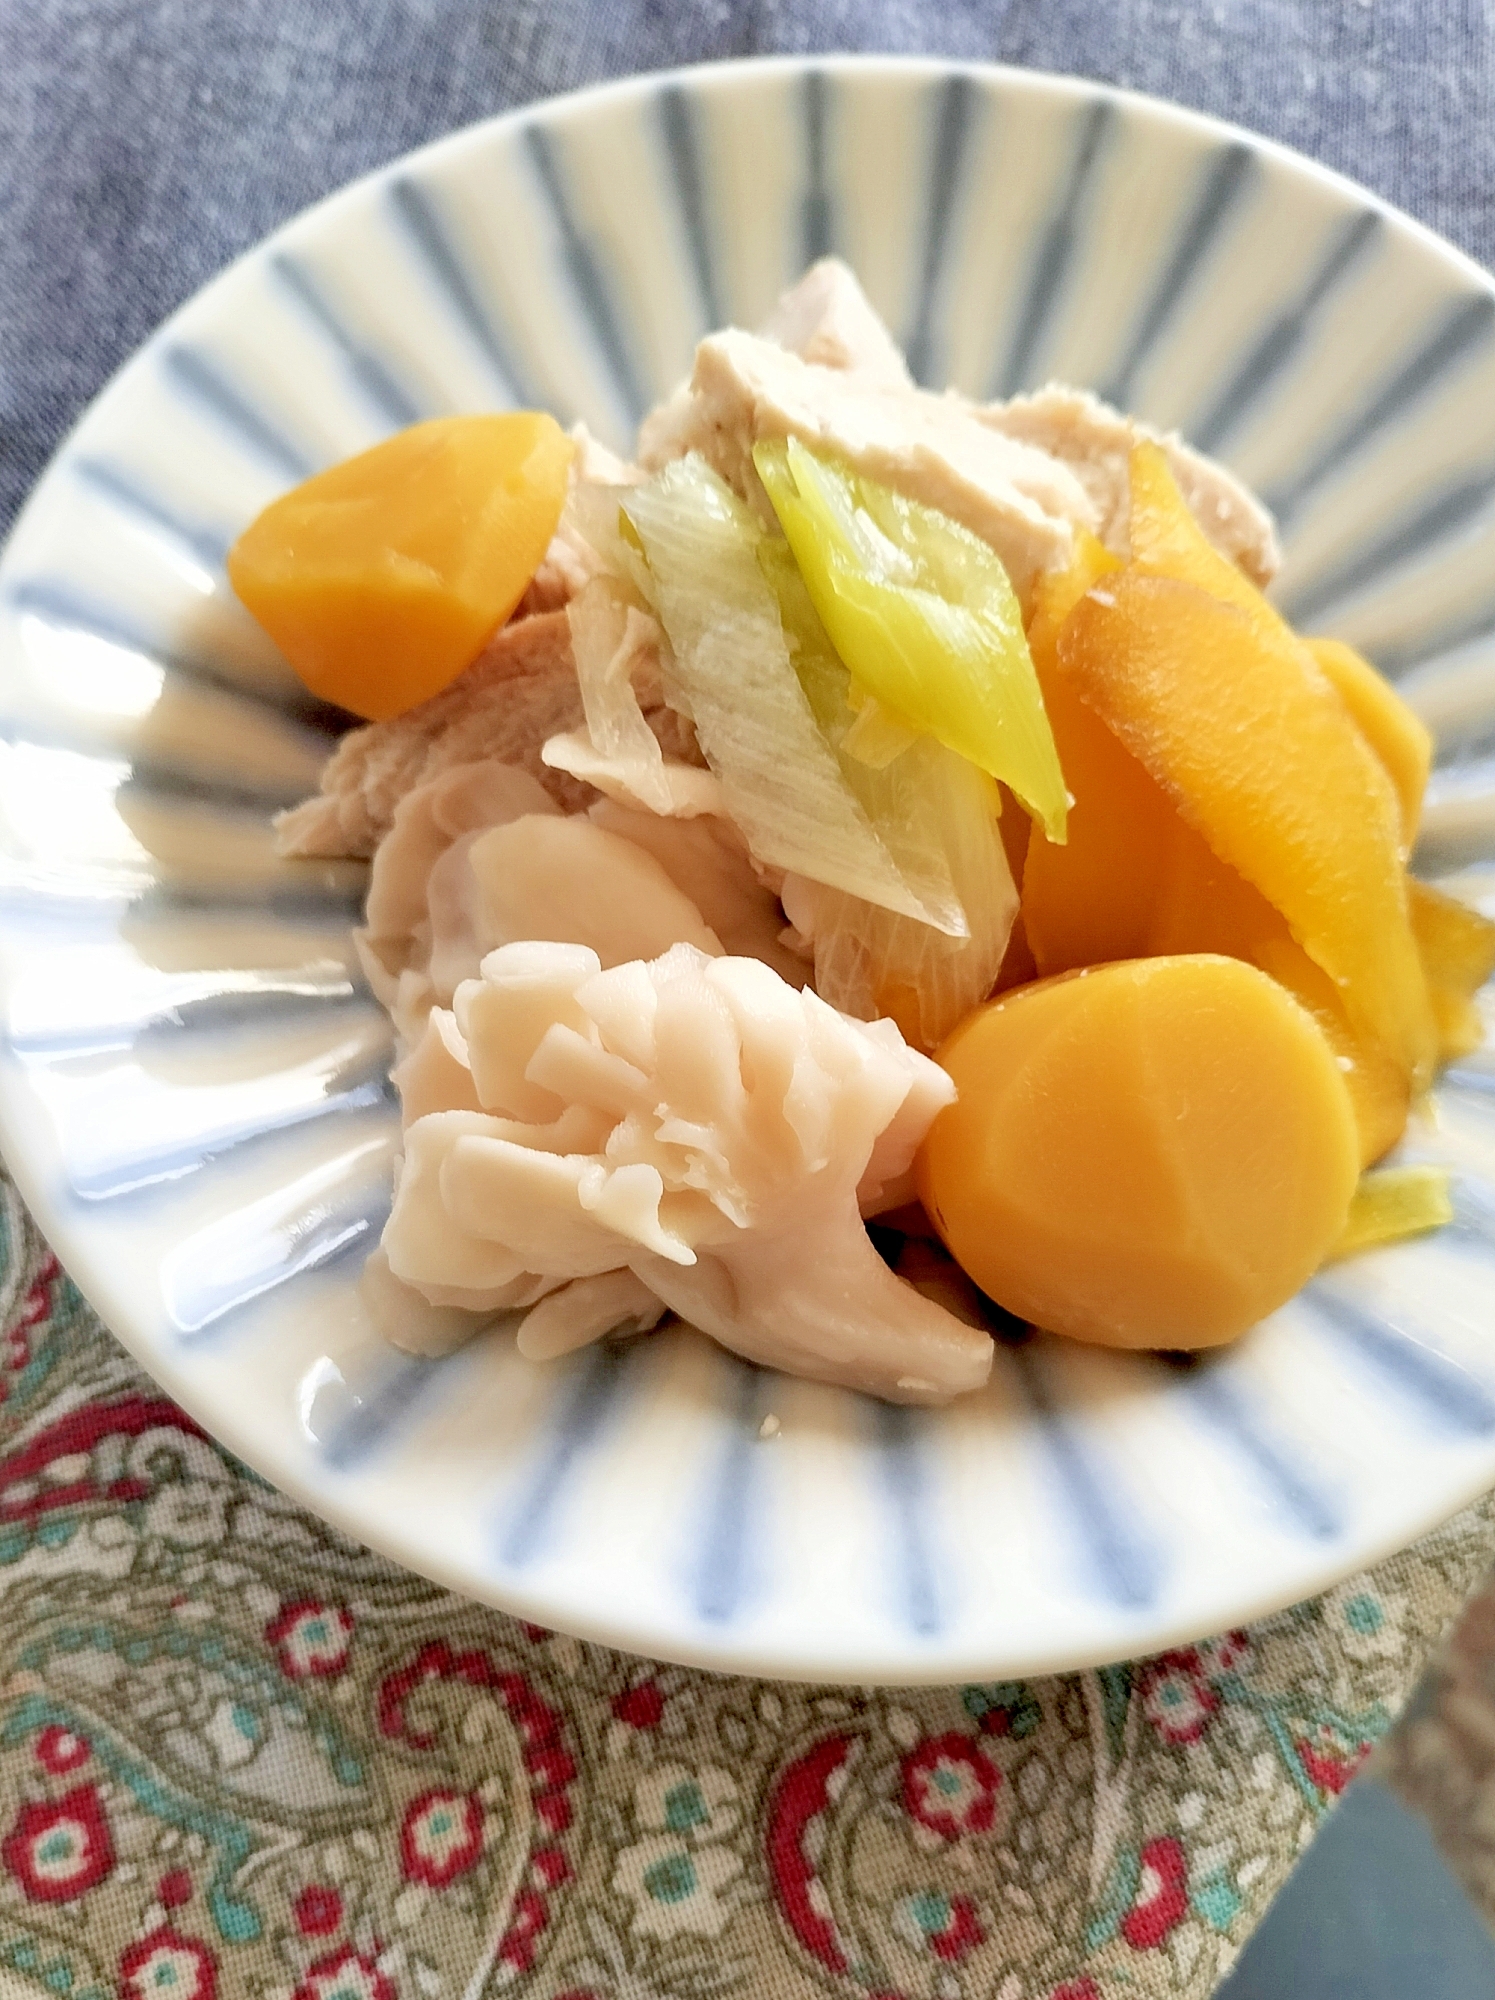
690,1131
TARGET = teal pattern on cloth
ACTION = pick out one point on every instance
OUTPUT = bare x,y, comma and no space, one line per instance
242,1757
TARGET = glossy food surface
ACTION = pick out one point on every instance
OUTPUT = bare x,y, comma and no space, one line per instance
380,578
1226,710
1150,1154
1136,879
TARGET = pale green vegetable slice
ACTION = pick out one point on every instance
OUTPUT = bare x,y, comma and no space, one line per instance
611,639
924,616
1394,1202
593,511
938,816
731,673
899,792
876,735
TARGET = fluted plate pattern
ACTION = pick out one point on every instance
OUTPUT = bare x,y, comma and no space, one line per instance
194,1082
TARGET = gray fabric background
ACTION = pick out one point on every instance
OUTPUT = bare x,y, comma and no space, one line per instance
143,143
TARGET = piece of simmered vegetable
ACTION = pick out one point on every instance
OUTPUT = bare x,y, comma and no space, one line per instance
1398,738
1457,946
924,616
731,671
1136,880
1261,757
381,578
1150,1154
1392,1204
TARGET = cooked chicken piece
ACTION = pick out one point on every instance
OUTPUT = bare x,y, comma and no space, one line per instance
672,785
479,857
566,1316
706,1128
596,461
462,799
827,318
577,1314
519,690
421,1325
530,1231
436,1074
931,448
566,568
1094,442
566,880
888,1178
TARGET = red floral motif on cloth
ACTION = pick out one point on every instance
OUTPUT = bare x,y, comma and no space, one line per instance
945,1925
640,1706
60,1751
174,1889
1162,1898
950,1786
550,1768
346,1974
318,1910
59,1849
26,1490
311,1639
15,1352
800,1797
1177,1699
167,1966
1330,1758
1229,1654
440,1838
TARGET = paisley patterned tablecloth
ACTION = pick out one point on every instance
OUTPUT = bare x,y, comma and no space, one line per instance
241,1756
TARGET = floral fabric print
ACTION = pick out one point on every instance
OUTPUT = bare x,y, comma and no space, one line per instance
166,1966
1177,1697
243,1759
59,1849
950,1786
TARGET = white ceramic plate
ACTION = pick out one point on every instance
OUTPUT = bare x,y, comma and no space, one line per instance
193,1088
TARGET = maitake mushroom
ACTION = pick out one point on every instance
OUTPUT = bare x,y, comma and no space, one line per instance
687,1132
